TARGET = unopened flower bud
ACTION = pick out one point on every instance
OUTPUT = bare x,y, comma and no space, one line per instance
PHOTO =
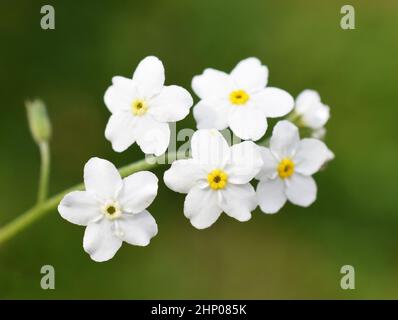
39,121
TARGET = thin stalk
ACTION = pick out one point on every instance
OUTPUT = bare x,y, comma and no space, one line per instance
44,171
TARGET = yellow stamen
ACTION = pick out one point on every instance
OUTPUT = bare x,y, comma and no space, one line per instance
285,168
139,107
239,97
111,210
217,179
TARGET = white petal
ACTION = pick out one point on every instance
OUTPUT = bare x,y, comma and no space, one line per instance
271,195
245,162
305,99
115,100
149,76
79,207
138,229
121,130
138,192
238,201
119,96
301,190
102,178
211,114
314,113
270,164
250,75
209,148
329,155
182,175
171,104
212,84
274,102
201,207
285,139
247,122
316,116
153,136
100,241
311,154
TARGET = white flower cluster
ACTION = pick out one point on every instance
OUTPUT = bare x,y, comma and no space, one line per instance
218,176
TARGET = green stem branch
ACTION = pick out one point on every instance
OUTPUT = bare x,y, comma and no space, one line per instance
41,209
44,172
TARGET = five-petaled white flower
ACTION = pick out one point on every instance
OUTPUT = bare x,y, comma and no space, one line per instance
141,108
312,112
288,167
239,100
112,208
216,179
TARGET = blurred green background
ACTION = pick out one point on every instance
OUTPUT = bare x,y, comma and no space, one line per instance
296,253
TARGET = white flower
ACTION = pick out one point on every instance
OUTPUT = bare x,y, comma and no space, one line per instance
216,179
288,166
312,112
112,208
239,100
142,107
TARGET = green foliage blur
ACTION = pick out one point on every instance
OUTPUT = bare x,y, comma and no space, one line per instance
296,253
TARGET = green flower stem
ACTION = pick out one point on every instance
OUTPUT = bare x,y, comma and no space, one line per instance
44,171
41,209
293,117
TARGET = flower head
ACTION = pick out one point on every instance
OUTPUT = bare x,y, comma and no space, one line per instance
141,108
239,100
312,112
288,167
112,209
216,179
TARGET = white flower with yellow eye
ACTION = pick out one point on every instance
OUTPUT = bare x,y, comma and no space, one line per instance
239,100
288,167
216,179
312,112
142,107
112,208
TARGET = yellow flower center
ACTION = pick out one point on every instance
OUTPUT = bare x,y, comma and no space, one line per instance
139,107
111,210
285,168
217,179
239,97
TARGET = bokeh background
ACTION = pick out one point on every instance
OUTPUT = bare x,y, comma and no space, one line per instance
296,253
